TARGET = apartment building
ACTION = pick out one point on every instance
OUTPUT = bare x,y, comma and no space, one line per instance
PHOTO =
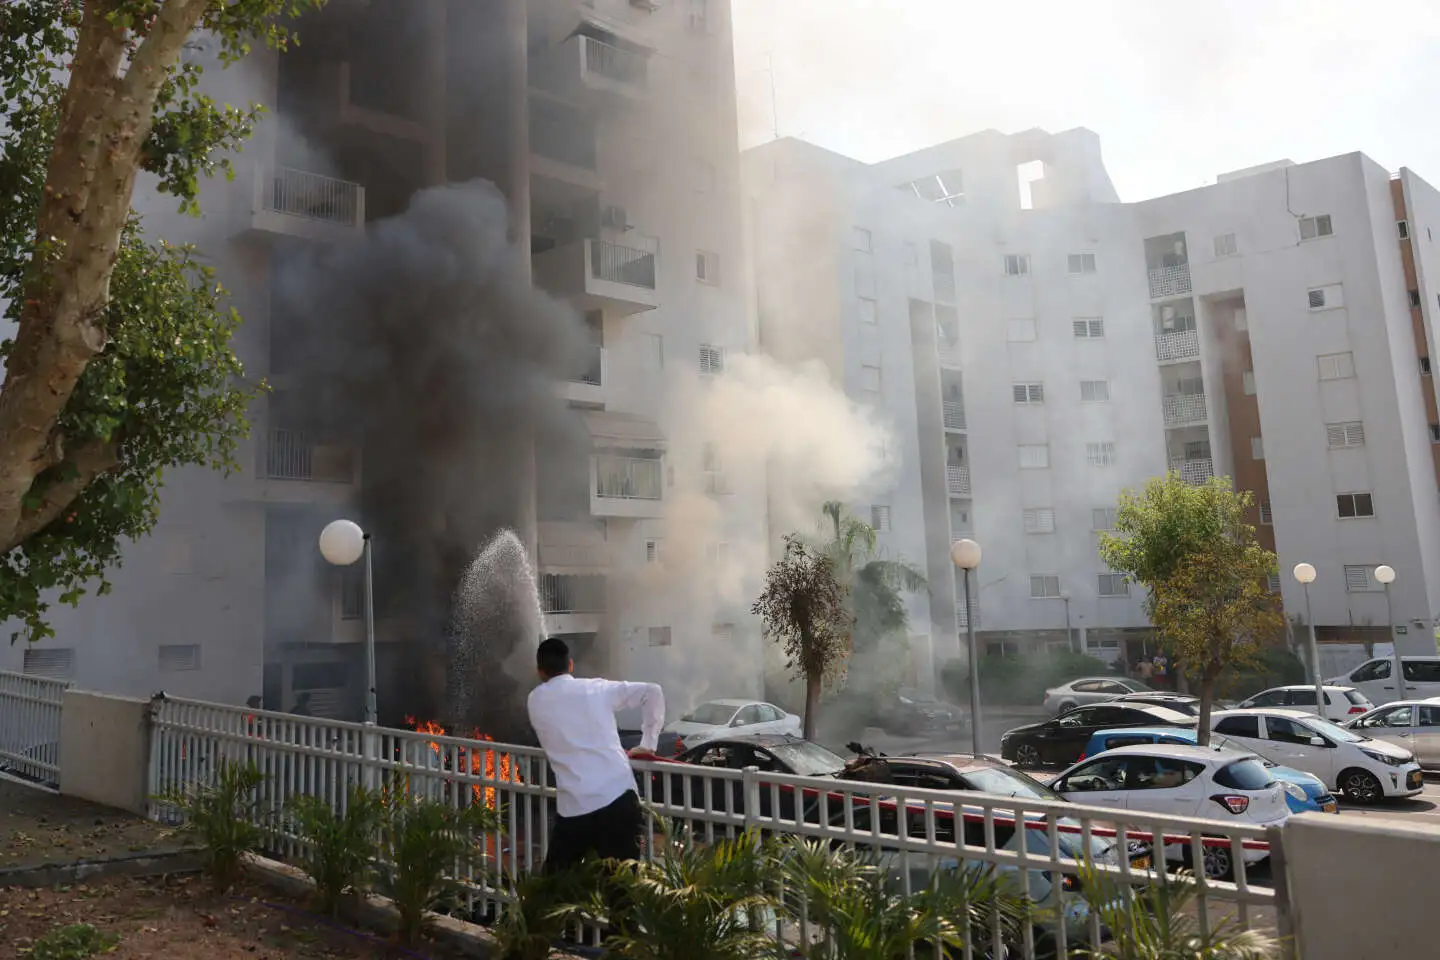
1051,347
609,125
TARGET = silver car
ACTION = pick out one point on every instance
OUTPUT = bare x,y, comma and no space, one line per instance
1070,695
1412,724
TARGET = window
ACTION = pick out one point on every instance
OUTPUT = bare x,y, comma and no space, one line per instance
1094,391
717,553
870,378
1425,366
869,310
1020,331
1421,671
1350,506
1285,730
1034,456
707,267
1102,518
1090,328
1114,585
178,657
1028,392
1044,587
723,635
652,551
652,347
1239,727
1040,520
1374,670
1272,583
1402,227
1435,433
1337,366
880,517
865,282
1360,578
1339,436
1017,264
660,636
947,188
1312,228
1267,513
1257,448
701,20
1100,454
1080,263
57,663
1225,245
712,360
1414,299
1330,297
1247,382
860,240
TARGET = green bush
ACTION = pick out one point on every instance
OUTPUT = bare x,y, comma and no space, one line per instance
75,941
1020,680
339,847
421,840
1273,667
224,814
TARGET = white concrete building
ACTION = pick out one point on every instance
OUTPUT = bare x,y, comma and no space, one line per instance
1039,346
610,126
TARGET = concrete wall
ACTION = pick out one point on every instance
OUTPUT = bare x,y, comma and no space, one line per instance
105,749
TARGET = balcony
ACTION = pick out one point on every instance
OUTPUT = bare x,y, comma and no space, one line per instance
957,480
1184,345
944,287
1194,471
949,352
295,455
572,603
588,388
295,203
599,275
1184,408
583,64
563,153
954,414
1167,282
626,486
567,547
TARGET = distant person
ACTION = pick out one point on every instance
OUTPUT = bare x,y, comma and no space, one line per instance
1161,666
598,812
1144,669
302,704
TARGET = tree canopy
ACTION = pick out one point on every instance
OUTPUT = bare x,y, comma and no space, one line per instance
120,366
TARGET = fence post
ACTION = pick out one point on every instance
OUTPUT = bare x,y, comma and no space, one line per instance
1280,881
750,790
369,757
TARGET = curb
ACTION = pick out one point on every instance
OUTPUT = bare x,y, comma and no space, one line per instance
147,863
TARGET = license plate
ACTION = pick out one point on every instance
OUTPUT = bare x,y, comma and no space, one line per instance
1415,779
1140,863
1331,807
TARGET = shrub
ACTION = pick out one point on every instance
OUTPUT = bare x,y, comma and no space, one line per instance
1021,679
339,847
1273,667
420,840
75,941
224,814
544,904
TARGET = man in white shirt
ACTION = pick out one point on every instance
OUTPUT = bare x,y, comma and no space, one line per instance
598,810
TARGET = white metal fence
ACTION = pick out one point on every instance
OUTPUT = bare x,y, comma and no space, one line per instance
919,831
30,726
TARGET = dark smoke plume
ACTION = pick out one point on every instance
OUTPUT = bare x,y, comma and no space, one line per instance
426,343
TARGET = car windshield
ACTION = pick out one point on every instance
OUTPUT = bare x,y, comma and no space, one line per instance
1137,686
718,714
1334,732
1007,783
915,696
1356,697
807,759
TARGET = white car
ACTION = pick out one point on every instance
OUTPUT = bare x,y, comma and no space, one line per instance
1367,770
1341,703
717,718
1186,781
1375,678
1412,725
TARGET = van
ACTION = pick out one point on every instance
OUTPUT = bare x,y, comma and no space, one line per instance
1375,678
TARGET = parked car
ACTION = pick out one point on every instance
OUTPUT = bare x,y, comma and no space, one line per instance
935,771
911,712
1365,769
1375,678
1182,702
670,744
1184,781
770,752
1060,740
715,718
1070,695
1341,703
1304,792
1412,725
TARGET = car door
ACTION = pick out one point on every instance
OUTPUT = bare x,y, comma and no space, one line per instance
1427,737
1160,784
1422,678
1086,691
1373,678
1074,730
1290,745
1304,699
1097,783
774,719
747,720
1392,724
1245,729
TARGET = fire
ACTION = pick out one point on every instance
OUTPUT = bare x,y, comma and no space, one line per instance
483,762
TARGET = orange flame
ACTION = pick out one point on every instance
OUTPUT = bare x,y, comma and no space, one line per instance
475,761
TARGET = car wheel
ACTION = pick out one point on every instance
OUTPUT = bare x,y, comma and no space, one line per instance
1027,756
1361,786
1065,707
1217,862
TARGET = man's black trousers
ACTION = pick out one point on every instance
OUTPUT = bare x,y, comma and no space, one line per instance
614,832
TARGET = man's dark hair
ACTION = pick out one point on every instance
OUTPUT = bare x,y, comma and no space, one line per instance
553,657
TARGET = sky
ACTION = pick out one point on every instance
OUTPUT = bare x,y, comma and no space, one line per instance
1178,90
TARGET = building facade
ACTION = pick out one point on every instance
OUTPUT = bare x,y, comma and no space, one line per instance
1038,347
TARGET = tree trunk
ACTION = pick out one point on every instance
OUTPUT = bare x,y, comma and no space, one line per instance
1207,697
812,705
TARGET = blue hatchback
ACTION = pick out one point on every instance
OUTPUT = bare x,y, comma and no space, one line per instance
1304,793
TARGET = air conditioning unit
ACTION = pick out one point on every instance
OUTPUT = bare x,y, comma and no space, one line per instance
614,218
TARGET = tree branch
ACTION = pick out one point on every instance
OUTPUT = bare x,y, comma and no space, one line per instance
168,35
79,470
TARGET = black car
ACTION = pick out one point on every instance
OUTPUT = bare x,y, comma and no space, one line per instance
963,772
1181,702
1060,740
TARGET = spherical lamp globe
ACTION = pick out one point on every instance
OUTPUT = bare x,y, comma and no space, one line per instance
342,542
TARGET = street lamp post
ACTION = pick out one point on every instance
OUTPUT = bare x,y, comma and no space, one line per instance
1385,575
342,542
965,554
1069,637
1305,574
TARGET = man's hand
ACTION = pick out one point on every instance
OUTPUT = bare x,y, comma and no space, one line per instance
641,753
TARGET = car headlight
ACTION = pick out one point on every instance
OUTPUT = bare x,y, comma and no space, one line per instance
1294,790
1385,758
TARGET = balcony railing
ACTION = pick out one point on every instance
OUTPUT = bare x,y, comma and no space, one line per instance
621,264
1177,346
957,480
949,351
944,287
613,63
628,478
567,593
1197,470
594,373
1184,408
294,455
964,616
297,193
954,414
1168,282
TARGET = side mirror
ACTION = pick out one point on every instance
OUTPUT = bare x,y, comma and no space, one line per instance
1318,742
737,722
